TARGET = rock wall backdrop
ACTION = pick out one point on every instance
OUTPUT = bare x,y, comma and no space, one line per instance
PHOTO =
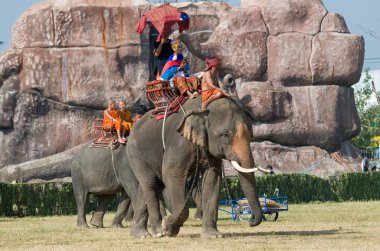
292,64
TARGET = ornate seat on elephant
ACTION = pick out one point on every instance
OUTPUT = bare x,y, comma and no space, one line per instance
104,136
165,97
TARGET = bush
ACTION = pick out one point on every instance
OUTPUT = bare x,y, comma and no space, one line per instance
38,199
58,198
301,188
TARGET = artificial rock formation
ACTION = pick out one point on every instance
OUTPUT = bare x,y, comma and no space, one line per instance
293,64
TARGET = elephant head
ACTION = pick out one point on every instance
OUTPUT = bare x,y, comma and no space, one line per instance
225,131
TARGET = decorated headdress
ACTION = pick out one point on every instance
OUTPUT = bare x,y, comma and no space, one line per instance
214,61
176,44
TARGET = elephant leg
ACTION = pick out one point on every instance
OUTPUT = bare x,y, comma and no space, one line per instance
122,208
129,215
162,206
197,197
103,203
80,194
140,217
180,212
152,197
210,199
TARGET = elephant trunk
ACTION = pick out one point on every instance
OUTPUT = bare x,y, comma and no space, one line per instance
248,184
241,151
195,47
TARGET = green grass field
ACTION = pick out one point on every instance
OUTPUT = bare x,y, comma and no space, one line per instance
326,226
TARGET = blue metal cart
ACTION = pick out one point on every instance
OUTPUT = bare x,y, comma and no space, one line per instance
270,206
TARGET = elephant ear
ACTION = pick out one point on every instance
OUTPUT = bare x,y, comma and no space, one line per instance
193,127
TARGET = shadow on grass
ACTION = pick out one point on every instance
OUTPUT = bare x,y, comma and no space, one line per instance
290,233
281,233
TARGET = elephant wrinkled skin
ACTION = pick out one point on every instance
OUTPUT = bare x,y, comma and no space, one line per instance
223,131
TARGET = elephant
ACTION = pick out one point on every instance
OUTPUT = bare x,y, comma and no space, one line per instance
170,156
93,171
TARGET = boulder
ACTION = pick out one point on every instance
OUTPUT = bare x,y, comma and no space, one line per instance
337,58
86,77
204,18
35,27
235,35
98,26
309,159
10,63
265,103
334,22
292,15
69,56
56,167
42,127
55,25
316,119
288,58
8,97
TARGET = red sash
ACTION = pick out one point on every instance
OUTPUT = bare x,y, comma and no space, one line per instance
169,64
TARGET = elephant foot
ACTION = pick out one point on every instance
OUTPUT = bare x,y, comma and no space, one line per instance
96,220
139,232
212,233
129,218
198,216
158,235
117,225
82,225
169,229
157,231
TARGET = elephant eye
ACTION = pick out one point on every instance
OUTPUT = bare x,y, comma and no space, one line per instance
227,134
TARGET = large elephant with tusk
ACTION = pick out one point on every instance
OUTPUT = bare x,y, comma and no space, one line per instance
192,142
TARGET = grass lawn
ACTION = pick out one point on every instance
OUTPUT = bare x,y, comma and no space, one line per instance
326,226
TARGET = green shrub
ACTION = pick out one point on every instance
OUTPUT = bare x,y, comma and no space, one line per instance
58,198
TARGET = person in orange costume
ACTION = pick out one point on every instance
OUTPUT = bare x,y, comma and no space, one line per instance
112,118
210,89
126,118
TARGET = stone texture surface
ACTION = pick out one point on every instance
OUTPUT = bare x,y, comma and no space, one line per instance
334,22
300,159
54,168
265,103
236,41
86,76
42,127
204,19
316,120
337,58
284,45
286,62
69,56
35,27
292,15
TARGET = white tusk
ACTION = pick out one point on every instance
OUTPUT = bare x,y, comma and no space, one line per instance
243,170
264,170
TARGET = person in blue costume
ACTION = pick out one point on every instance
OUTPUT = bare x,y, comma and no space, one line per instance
176,64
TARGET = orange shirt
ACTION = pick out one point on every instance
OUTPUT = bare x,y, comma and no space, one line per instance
126,116
126,119
107,123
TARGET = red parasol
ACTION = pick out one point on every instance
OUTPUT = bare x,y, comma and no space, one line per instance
163,18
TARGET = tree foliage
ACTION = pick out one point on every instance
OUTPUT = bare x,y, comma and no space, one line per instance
369,114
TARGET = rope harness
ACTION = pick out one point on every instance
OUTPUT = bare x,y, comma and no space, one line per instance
163,124
195,178
113,164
